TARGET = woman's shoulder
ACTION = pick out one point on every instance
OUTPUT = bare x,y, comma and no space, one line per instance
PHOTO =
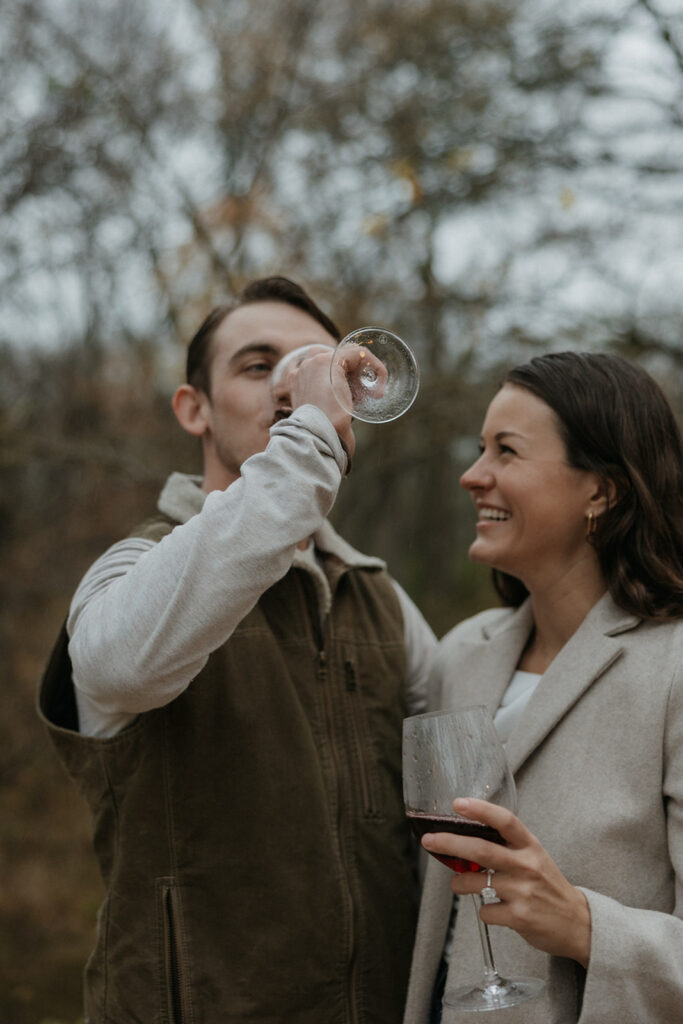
664,634
650,651
661,640
670,628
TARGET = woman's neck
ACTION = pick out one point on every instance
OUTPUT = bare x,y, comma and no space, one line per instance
557,612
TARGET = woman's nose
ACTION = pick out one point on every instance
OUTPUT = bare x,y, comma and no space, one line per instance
478,476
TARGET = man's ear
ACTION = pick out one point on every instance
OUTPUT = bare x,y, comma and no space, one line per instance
190,406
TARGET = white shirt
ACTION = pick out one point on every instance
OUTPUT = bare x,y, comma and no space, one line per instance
515,699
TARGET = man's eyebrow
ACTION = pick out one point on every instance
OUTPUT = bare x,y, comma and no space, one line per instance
264,348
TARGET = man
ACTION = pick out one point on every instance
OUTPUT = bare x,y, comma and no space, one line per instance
228,693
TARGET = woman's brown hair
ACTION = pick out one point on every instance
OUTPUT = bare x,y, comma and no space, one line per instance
616,422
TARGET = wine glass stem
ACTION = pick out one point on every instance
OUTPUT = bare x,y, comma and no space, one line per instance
490,973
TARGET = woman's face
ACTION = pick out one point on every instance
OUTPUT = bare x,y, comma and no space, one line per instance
531,504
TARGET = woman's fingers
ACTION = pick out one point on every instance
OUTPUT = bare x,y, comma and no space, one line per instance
513,831
484,850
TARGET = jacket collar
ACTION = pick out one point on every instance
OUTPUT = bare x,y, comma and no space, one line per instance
488,663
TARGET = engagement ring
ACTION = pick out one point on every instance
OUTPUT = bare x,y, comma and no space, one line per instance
488,893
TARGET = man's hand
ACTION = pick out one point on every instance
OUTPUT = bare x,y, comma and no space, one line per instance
307,382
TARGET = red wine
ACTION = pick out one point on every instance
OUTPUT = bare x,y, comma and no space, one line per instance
423,823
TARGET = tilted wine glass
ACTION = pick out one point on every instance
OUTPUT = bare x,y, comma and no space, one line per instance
449,754
373,373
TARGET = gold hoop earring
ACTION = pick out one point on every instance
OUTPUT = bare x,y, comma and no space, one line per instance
591,523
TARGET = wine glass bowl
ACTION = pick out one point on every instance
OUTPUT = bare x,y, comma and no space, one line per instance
374,375
446,755
449,754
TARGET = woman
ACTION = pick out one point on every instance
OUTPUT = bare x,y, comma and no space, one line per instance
579,494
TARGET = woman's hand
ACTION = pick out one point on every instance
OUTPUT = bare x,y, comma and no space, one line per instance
537,901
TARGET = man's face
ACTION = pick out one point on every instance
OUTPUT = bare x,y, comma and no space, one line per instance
239,409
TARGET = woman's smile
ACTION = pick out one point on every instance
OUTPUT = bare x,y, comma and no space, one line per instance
488,513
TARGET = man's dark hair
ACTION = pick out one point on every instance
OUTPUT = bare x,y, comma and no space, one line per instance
264,289
616,422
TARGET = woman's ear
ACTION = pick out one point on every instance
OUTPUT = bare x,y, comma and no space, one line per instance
605,495
190,406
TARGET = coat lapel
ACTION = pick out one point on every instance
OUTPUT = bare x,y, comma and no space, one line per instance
581,662
485,667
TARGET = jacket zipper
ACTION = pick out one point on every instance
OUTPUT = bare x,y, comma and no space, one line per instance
177,1008
351,1016
311,613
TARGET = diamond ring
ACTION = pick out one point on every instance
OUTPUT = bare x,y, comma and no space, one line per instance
488,893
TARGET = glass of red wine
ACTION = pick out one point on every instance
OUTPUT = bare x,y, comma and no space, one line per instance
449,754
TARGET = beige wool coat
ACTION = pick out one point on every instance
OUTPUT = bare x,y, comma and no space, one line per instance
598,759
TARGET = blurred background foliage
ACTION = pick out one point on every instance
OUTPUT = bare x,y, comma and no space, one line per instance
489,178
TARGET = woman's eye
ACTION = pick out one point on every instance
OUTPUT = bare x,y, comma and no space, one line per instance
258,368
506,450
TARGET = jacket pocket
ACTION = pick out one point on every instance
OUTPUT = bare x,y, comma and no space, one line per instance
174,981
365,752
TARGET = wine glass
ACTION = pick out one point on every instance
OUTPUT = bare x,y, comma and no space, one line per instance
373,373
449,754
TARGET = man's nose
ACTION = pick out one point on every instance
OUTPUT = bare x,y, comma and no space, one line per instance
281,398
280,384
